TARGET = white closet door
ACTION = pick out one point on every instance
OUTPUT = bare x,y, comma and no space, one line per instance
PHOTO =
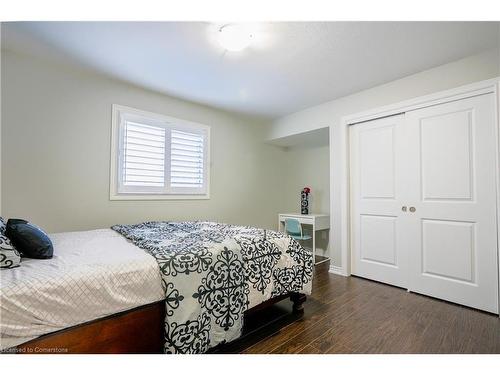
451,175
377,195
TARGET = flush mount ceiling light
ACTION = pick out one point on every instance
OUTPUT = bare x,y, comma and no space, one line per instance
235,37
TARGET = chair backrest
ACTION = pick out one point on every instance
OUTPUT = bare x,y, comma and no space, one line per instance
292,226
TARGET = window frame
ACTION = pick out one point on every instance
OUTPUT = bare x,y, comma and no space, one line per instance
119,192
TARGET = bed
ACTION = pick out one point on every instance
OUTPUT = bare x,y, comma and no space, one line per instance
151,287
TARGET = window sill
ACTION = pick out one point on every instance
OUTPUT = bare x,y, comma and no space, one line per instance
157,197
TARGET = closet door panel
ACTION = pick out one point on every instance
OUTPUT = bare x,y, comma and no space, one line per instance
376,200
377,157
443,241
447,158
453,252
378,241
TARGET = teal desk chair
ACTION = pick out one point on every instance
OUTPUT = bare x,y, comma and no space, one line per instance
294,229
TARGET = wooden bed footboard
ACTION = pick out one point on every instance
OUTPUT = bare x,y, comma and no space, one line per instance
139,330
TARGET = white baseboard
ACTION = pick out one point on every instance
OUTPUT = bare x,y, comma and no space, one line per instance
337,270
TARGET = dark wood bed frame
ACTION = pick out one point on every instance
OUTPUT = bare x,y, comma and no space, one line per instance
139,330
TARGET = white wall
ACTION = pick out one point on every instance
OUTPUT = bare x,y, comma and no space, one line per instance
56,153
468,70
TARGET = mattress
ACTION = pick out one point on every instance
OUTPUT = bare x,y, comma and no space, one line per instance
93,274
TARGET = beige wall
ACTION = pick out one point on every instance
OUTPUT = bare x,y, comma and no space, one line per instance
0,125
471,69
308,166
56,153
56,136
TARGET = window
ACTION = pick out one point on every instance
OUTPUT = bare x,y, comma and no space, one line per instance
158,157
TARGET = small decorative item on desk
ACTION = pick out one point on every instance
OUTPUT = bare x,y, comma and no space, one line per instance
304,201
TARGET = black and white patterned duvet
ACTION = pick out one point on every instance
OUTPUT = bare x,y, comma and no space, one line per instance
212,273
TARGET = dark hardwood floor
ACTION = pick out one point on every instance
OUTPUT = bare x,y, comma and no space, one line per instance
354,315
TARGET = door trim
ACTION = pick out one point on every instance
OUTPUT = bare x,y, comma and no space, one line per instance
343,206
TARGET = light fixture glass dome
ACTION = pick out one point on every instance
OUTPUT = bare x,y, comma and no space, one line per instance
235,37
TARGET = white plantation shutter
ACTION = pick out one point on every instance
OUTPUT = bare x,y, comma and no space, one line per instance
158,157
186,160
143,155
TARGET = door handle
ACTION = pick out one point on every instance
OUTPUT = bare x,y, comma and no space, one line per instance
412,209
404,208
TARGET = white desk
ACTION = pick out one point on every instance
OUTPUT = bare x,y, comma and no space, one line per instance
318,222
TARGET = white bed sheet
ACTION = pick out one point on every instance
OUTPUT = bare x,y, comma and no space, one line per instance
92,274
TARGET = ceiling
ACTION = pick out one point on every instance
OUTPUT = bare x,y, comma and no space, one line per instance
289,67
